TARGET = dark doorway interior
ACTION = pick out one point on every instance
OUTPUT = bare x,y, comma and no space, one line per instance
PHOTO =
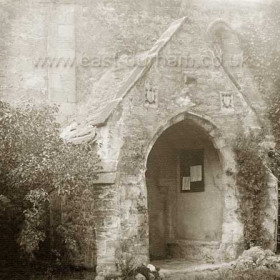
185,193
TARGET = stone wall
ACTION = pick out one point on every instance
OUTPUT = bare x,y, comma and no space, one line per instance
39,48
24,33
106,218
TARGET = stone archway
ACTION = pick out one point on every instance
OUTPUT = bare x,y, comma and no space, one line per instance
201,221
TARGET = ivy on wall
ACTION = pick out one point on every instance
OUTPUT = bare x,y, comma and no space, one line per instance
259,42
256,155
252,188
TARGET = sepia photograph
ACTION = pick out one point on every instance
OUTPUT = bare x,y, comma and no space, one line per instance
139,140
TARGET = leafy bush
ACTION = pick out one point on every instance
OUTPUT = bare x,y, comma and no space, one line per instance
37,167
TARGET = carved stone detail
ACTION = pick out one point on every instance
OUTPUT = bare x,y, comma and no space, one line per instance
227,102
151,95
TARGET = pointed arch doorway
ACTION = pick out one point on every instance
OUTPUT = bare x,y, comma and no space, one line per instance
185,194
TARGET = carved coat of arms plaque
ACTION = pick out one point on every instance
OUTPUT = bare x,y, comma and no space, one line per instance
151,95
227,104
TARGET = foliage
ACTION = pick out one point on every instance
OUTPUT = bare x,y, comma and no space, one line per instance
262,54
126,259
261,50
77,222
259,40
251,183
35,167
128,263
33,230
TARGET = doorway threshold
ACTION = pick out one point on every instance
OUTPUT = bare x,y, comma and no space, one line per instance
182,268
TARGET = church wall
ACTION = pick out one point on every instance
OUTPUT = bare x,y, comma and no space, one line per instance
39,48
24,33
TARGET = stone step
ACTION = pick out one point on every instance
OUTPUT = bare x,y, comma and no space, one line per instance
188,270
195,275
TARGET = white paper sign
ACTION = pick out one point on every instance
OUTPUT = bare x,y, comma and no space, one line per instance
186,184
196,173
